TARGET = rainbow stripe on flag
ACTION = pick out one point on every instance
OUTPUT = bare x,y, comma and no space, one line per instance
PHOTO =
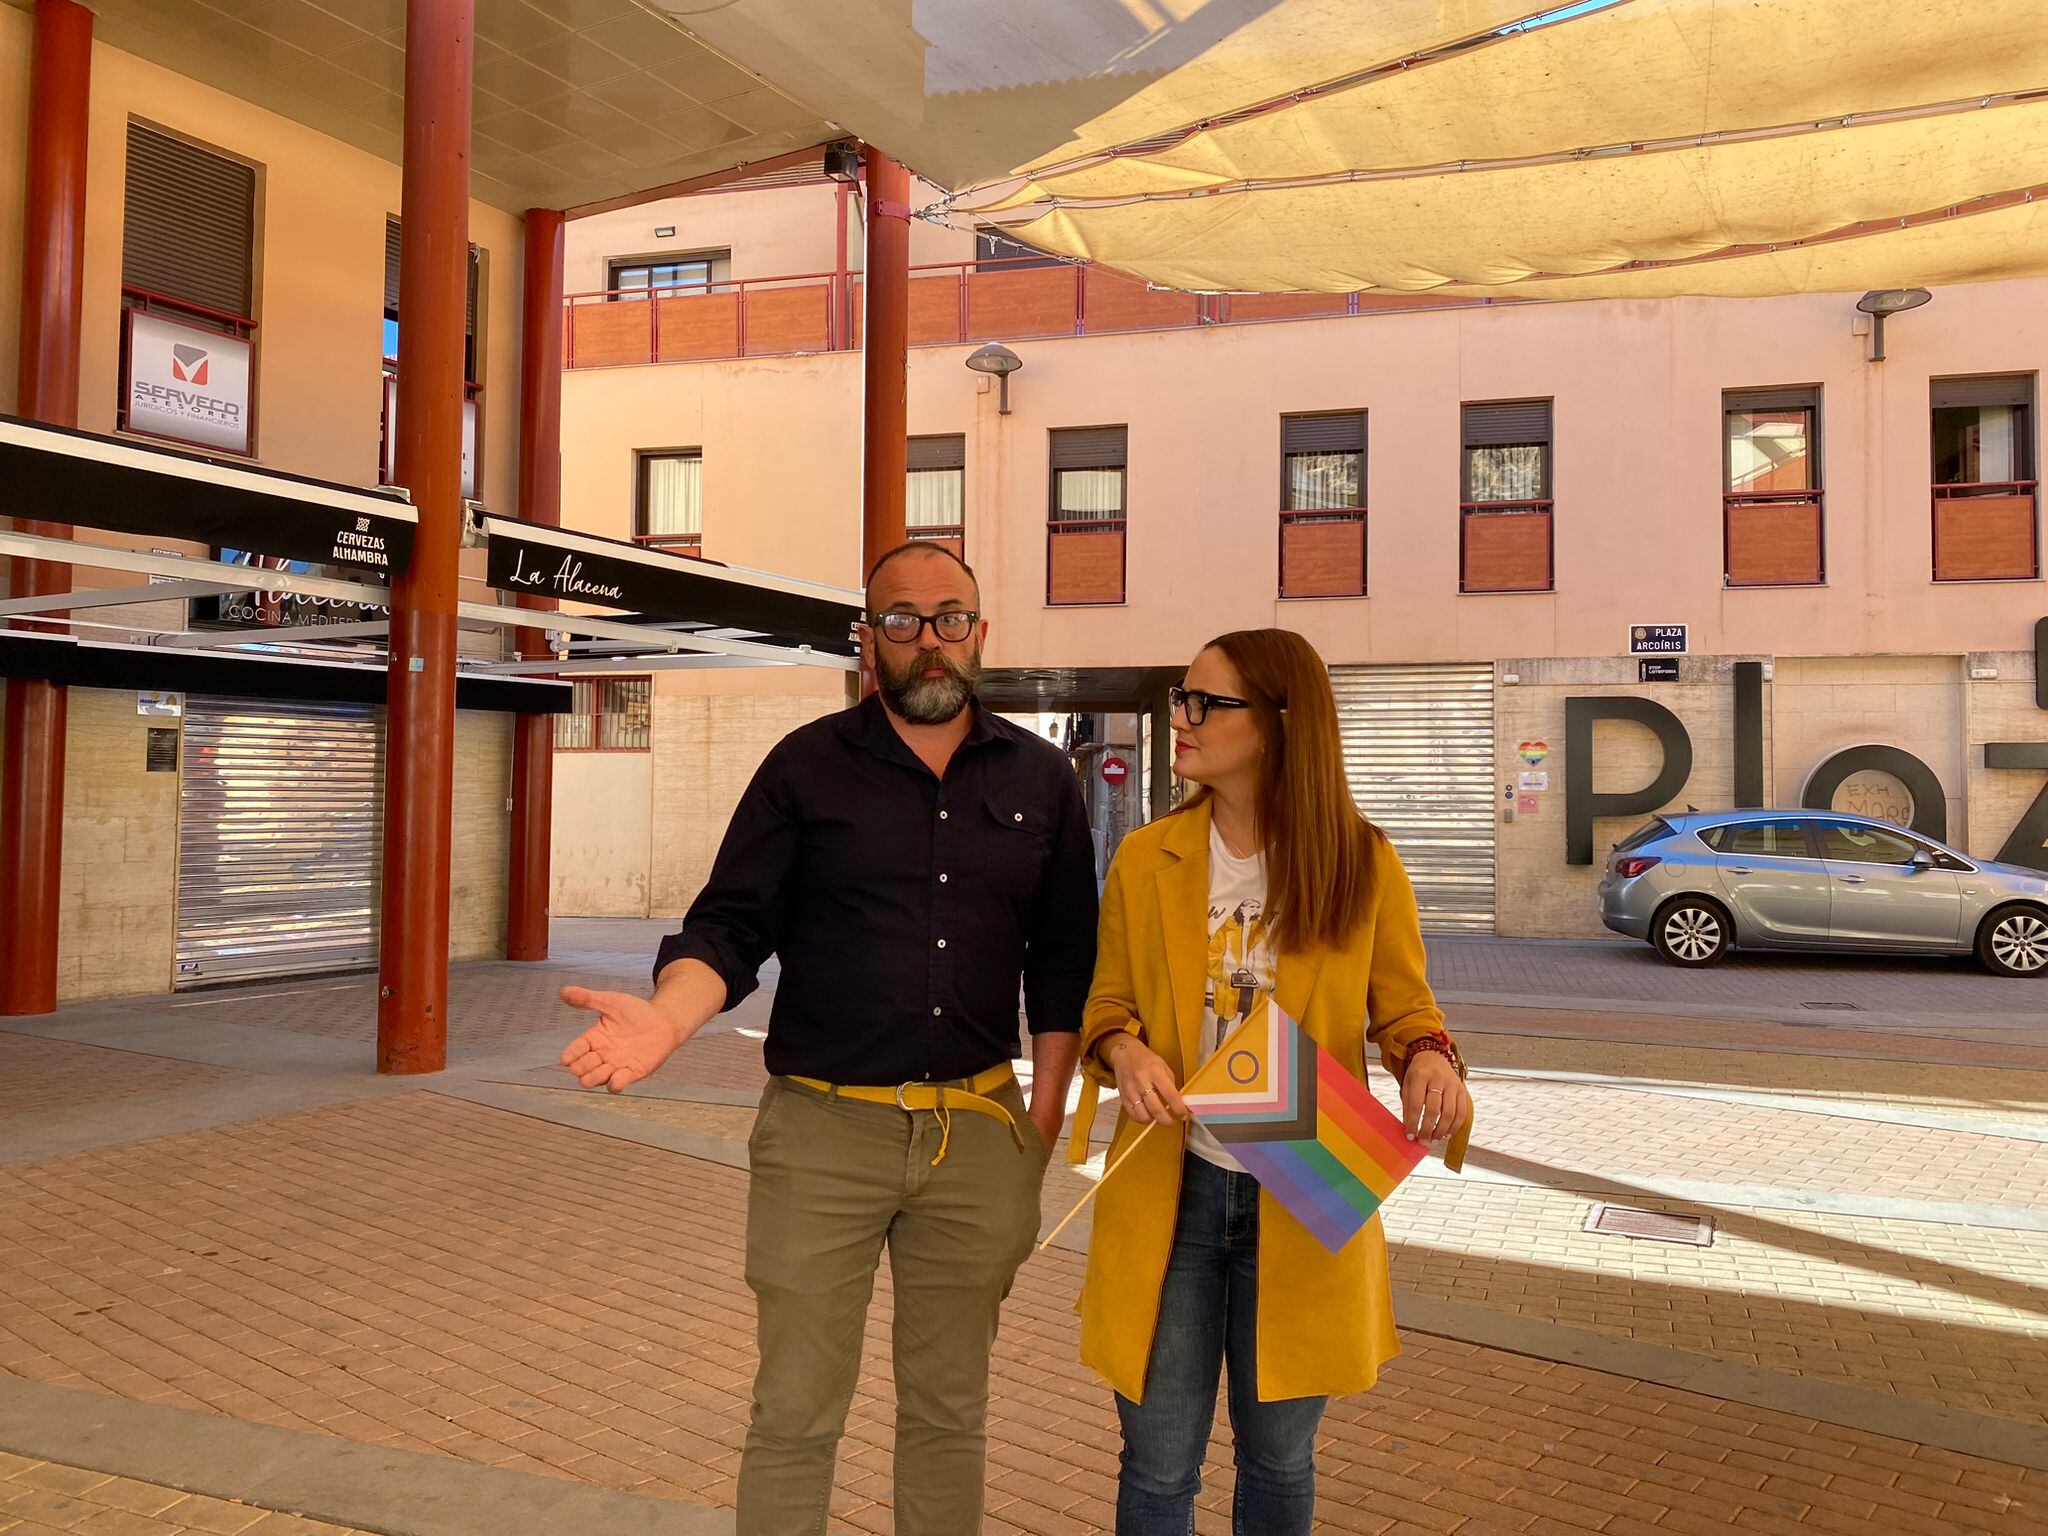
1301,1125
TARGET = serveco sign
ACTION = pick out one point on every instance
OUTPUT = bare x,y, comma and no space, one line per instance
187,384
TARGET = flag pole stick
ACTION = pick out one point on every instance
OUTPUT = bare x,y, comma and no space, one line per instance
1081,1204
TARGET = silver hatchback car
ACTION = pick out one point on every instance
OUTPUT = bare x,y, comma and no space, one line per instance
1699,884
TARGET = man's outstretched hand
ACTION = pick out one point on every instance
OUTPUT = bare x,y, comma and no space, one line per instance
630,1039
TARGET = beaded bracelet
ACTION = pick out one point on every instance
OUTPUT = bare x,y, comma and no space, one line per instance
1435,1044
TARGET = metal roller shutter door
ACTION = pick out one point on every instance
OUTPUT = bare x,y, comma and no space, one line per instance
1418,749
278,838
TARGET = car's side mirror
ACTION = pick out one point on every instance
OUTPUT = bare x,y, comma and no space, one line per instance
1922,859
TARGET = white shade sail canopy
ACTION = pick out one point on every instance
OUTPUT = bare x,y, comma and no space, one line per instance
1606,148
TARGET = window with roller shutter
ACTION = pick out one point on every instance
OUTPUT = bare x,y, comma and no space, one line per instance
1505,517
1085,528
187,282
669,499
935,491
472,364
1985,486
1322,505
1773,525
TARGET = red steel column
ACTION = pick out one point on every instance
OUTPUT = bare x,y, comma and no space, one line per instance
540,501
885,342
419,762
52,295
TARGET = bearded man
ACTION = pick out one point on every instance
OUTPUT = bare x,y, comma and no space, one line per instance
911,860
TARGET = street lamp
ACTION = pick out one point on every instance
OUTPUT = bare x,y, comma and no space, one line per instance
999,360
1880,302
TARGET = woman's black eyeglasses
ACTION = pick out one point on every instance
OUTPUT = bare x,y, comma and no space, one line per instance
905,628
1197,702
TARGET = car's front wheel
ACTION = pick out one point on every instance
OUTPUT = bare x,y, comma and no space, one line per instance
2013,941
1691,931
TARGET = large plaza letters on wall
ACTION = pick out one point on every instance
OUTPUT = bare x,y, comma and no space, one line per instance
1583,806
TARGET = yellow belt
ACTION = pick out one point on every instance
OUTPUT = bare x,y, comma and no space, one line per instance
942,1099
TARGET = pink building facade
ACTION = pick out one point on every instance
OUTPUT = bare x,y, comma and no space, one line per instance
1472,510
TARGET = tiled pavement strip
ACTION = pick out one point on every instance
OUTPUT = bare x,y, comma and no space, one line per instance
1933,1310
39,1498
435,1275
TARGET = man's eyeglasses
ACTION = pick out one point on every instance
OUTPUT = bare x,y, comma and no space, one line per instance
1197,702
905,628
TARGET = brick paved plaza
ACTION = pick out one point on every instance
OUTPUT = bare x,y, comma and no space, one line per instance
246,1286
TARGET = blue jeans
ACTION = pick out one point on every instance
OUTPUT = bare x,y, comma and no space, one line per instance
1208,1311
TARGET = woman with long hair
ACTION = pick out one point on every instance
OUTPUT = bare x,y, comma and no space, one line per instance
1266,889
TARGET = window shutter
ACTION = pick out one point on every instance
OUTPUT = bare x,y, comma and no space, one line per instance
394,247
938,452
1513,422
1341,432
190,227
1789,397
1089,447
1984,389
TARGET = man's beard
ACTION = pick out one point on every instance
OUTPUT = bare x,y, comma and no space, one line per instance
920,700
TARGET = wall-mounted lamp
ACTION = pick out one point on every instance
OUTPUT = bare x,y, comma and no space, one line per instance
842,161
1880,302
999,360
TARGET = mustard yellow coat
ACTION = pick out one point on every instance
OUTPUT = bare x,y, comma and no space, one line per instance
1326,1321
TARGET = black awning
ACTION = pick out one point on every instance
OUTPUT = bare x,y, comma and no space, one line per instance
55,475
61,659
659,588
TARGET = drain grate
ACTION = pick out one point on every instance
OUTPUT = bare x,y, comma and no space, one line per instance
1835,1007
1651,1226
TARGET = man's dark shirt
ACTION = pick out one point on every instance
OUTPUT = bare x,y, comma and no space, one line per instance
904,908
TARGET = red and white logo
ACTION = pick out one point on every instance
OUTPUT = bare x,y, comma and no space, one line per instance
1114,770
188,364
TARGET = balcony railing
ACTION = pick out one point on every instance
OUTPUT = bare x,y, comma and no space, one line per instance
750,317
1773,539
1987,531
1505,546
951,304
1322,553
950,536
691,544
220,320
1084,562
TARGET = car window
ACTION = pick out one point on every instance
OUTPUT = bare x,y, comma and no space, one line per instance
1711,836
1764,840
1648,832
1854,843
